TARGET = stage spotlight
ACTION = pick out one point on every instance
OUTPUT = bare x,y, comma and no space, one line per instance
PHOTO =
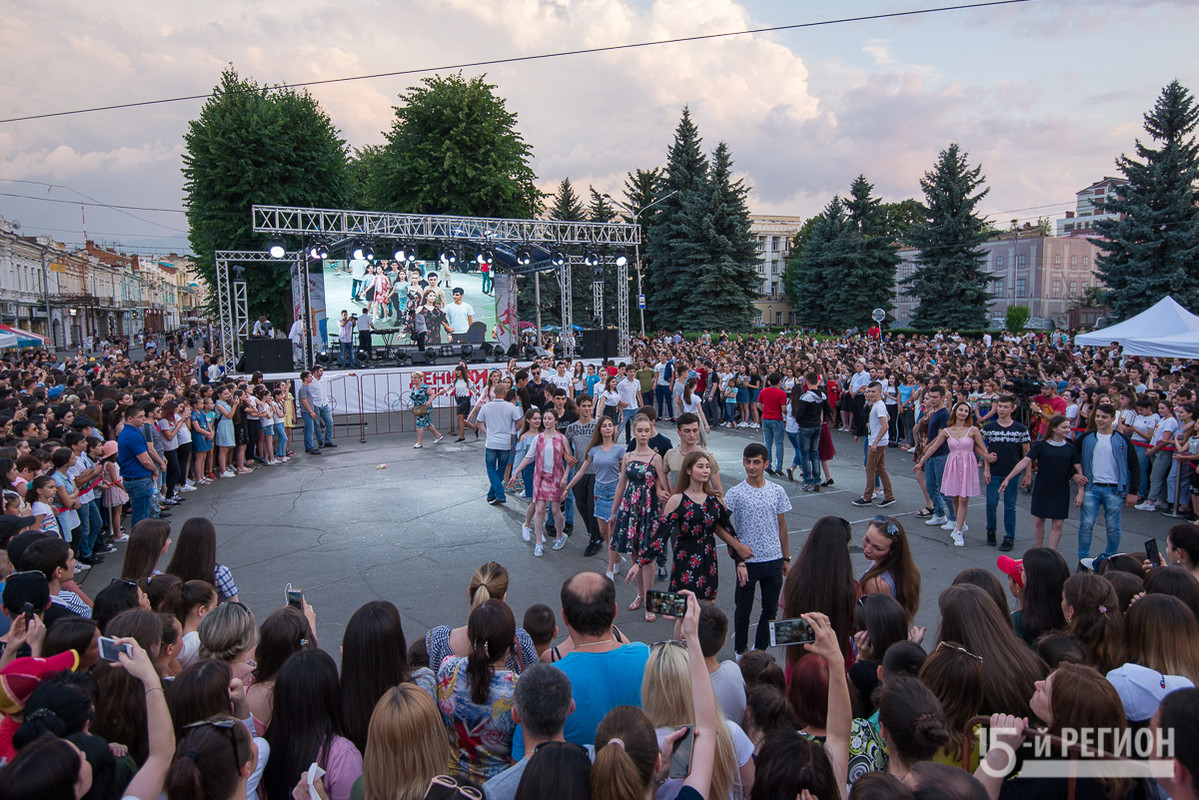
412,253
399,254
368,251
319,251
590,259
429,356
275,247
362,356
322,357
358,253
523,257
401,358
488,349
514,350
597,274
467,351
485,257
448,257
622,260
557,258
239,272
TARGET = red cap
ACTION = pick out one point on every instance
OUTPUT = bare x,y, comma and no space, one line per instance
1011,567
21,676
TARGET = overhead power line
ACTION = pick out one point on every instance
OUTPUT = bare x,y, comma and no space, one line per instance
539,57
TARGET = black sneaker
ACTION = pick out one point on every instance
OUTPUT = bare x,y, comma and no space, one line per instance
492,501
1007,544
569,529
862,501
592,548
791,475
662,573
829,482
330,444
991,538
313,452
886,503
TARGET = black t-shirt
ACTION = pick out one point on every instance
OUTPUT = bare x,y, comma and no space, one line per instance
567,418
1008,443
660,443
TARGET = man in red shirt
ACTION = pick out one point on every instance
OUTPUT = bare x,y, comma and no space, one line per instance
774,431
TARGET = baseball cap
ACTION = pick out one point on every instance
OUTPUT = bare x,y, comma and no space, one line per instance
21,676
1142,689
1011,567
11,525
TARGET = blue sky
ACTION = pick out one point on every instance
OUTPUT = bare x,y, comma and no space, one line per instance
1044,94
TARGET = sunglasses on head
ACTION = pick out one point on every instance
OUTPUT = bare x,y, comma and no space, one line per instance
446,782
886,524
224,724
959,648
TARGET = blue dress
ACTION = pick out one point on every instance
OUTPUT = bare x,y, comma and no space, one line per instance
224,426
419,397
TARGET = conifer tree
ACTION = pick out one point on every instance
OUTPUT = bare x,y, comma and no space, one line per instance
949,280
819,268
1152,249
868,281
674,269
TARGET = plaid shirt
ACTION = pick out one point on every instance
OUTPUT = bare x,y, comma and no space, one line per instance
225,586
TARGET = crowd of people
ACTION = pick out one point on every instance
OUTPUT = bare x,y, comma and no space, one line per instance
146,688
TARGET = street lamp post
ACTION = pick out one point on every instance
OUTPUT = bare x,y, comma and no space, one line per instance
637,256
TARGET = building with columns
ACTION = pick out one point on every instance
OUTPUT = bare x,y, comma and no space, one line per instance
773,235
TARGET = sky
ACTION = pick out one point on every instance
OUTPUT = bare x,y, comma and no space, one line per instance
1044,94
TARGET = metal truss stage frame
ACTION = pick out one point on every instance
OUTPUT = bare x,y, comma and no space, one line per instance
504,237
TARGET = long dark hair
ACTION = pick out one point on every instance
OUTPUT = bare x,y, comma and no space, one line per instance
202,767
883,619
46,768
822,580
195,552
199,692
902,567
491,630
307,715
913,718
1045,572
146,541
374,658
556,769
283,633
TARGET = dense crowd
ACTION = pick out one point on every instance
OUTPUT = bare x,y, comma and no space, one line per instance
867,704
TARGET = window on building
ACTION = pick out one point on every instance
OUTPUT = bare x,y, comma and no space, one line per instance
1021,287
1020,264
1074,288
790,317
1057,288
778,318
1086,262
1073,262
1057,259
761,243
998,289
998,262
761,267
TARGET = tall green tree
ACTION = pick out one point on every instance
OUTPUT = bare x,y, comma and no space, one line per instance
364,163
254,144
868,280
454,148
949,279
600,208
684,188
817,270
902,216
1152,249
723,294
791,273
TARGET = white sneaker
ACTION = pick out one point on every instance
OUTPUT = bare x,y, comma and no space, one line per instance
742,424
187,487
949,525
958,539
1145,506
81,567
618,565
755,425
936,521
228,474
560,542
526,533
539,550
878,494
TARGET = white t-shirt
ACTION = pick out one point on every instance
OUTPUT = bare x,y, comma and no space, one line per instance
500,418
190,652
561,381
729,686
1103,460
878,424
49,521
1144,422
458,315
660,375
755,513
1165,429
630,393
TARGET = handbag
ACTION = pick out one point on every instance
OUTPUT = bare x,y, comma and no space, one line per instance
420,410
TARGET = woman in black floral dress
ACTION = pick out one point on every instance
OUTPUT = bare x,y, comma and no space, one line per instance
693,514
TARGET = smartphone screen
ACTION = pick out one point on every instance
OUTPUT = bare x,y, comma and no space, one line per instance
110,649
791,631
28,612
680,758
1152,553
670,604
295,599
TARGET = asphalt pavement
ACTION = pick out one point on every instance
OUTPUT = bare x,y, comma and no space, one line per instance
381,520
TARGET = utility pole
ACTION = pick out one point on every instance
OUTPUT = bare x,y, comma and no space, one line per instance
637,255
46,291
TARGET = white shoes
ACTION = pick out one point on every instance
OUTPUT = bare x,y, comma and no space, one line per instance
539,550
958,539
878,494
951,525
187,487
560,542
936,521
526,533
1145,506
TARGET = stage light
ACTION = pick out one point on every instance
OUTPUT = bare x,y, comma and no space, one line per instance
401,358
368,251
597,274
467,350
448,257
429,356
523,257
622,260
275,247
363,356
322,357
557,258
412,253
590,259
359,251
318,251
239,272
399,254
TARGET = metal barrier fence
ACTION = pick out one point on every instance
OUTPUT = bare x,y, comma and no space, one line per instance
393,412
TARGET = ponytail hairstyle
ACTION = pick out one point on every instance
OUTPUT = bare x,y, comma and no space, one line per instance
626,752
1097,624
36,485
146,541
491,630
60,706
913,719
185,596
489,581
204,761
156,588
227,631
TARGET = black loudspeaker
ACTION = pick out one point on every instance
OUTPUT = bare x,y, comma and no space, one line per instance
267,355
598,343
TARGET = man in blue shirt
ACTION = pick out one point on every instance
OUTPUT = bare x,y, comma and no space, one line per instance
137,468
934,465
604,671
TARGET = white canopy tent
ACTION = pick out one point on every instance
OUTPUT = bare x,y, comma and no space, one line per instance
1180,345
1164,319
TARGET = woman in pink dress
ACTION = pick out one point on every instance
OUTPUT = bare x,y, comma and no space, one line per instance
960,479
551,459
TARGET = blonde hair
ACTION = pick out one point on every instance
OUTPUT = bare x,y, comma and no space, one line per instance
406,745
626,751
227,631
490,581
666,700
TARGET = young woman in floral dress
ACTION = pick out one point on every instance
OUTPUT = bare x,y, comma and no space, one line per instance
642,490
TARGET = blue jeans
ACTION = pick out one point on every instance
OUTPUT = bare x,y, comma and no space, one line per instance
1143,460
568,512
934,468
90,523
310,431
809,454
326,413
280,439
664,402
1009,505
773,434
140,491
497,462
1112,501
526,476
626,421
345,353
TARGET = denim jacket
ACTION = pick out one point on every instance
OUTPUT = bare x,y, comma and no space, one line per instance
1127,465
